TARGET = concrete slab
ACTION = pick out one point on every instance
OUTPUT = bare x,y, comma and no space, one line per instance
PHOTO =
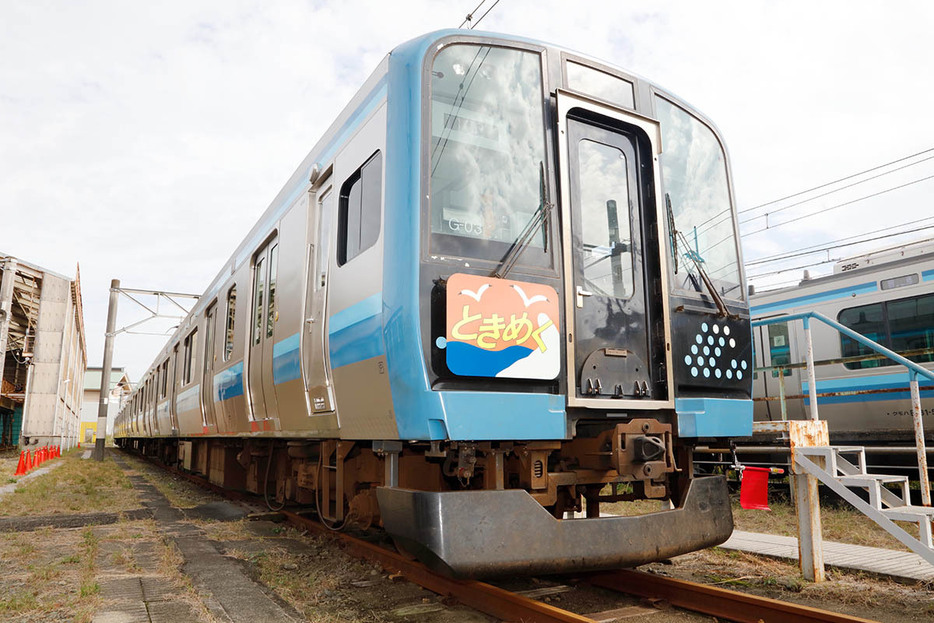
875,560
231,594
172,612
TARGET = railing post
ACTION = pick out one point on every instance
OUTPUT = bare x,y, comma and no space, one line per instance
812,377
919,439
781,394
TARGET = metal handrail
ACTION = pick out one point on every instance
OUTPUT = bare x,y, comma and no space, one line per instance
914,371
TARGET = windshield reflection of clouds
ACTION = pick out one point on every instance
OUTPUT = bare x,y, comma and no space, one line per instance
694,176
486,142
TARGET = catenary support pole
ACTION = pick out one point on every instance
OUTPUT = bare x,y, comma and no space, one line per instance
105,371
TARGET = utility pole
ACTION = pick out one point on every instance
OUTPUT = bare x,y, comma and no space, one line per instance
105,371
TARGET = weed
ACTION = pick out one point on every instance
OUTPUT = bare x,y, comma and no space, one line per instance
90,588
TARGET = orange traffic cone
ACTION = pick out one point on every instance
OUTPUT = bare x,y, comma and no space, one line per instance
29,463
40,457
21,467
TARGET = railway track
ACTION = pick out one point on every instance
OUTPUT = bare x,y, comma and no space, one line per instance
512,606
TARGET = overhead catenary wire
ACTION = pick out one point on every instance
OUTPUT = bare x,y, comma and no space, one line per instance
839,205
723,216
835,190
469,18
837,181
842,242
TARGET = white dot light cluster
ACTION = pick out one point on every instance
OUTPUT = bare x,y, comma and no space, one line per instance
713,353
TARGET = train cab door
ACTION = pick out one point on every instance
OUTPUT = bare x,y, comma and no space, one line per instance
615,301
317,376
262,328
207,380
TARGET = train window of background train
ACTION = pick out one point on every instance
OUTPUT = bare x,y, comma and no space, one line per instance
358,218
898,282
904,325
271,306
779,347
596,83
694,177
487,128
231,314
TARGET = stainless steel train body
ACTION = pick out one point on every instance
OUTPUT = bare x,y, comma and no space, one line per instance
888,296
505,285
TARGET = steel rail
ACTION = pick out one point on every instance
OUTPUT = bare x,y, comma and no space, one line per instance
715,601
508,606
481,596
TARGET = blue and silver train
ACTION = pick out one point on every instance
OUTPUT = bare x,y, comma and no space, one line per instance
503,289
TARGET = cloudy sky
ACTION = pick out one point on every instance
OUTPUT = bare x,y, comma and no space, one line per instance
142,140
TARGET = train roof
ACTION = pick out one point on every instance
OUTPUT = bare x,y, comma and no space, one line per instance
854,275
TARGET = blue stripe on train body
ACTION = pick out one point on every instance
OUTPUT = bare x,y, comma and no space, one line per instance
927,275
810,299
355,333
228,383
287,360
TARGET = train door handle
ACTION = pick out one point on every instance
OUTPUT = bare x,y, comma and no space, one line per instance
581,293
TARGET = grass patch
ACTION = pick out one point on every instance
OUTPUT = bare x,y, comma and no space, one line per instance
76,486
180,492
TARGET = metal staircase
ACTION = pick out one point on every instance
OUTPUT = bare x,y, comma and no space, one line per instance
843,469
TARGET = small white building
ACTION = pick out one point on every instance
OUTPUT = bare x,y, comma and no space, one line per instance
120,388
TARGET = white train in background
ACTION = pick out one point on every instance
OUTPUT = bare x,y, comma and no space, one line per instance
888,296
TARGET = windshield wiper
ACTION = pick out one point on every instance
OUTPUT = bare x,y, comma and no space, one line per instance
694,257
539,218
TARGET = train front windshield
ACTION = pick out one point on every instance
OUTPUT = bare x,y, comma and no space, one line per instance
702,234
487,149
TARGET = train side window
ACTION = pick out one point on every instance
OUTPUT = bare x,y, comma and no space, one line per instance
231,315
190,344
165,378
271,296
258,287
358,218
779,347
868,320
911,325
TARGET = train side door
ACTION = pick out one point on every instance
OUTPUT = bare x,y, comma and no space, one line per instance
262,387
616,311
210,357
317,377
173,391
